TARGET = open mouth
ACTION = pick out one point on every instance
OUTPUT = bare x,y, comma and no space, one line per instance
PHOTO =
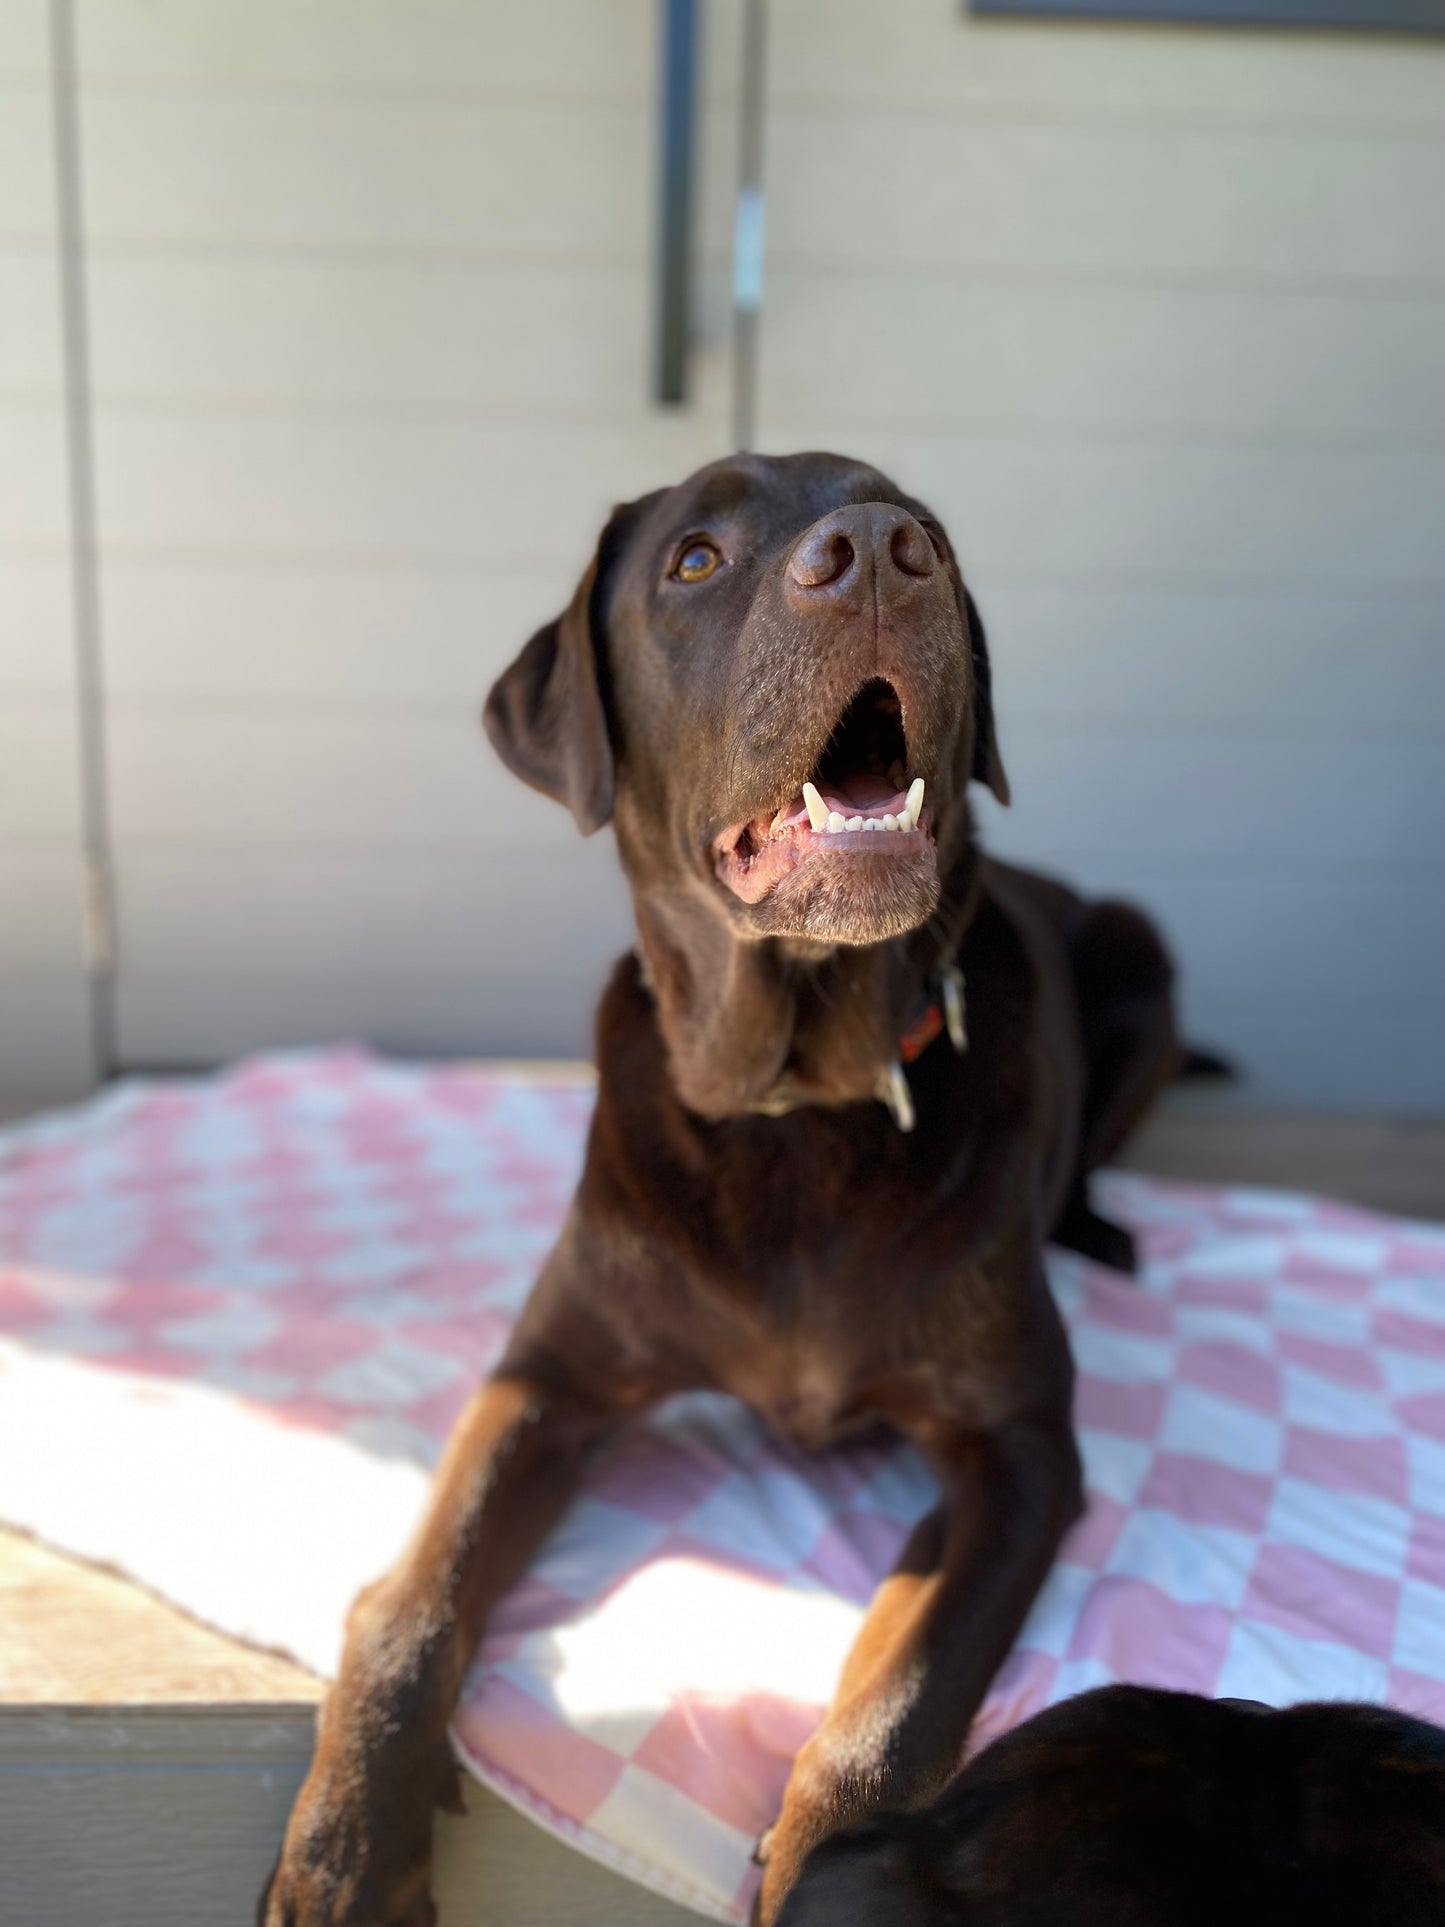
859,803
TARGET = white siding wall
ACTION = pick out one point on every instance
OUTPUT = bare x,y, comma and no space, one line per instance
44,1036
1156,320
371,296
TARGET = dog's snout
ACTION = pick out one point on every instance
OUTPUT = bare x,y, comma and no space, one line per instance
824,558
844,554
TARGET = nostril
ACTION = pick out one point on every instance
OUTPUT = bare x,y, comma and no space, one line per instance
825,560
911,549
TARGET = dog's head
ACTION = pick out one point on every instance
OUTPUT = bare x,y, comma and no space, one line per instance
772,679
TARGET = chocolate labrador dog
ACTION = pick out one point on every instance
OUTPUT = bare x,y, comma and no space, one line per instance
813,1179
1133,1808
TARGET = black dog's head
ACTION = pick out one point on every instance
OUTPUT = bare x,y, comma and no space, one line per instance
1156,1809
773,681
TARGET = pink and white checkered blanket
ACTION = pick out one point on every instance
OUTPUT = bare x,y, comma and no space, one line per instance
239,1315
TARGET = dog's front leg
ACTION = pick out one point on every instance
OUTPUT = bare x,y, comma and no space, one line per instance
357,1851
937,1631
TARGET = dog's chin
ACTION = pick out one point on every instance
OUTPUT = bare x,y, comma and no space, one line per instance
851,897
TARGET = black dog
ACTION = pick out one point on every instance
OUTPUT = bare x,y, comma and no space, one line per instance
1133,1808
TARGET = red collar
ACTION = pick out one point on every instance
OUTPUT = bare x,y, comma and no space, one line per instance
943,1011
926,1026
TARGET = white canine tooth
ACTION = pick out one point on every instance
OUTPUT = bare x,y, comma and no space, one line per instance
890,822
914,806
817,808
855,822
836,821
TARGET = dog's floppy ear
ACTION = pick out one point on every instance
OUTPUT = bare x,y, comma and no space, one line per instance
547,714
987,763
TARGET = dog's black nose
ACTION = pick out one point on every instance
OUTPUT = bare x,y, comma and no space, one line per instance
841,557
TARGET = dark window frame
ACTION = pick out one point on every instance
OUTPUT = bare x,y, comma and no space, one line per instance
1328,16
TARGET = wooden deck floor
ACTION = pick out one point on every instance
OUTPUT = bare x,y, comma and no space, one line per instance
1390,1164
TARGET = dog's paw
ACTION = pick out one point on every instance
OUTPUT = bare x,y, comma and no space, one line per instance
318,1890
288,1902
781,1851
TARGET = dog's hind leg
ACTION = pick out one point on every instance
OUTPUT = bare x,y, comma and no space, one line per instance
1124,982
1081,1228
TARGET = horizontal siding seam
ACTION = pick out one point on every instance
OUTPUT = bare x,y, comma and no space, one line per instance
474,414
1147,867
1272,125
326,252
325,707
1363,285
49,845
1273,583
1358,287
205,90
43,699
1226,731
477,414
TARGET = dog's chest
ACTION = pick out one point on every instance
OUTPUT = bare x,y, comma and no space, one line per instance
825,1266
835,1316
817,1388
807,1391
808,1407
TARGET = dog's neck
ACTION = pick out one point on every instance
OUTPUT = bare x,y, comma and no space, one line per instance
765,1025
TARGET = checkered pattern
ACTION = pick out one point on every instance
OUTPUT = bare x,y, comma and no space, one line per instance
296,1272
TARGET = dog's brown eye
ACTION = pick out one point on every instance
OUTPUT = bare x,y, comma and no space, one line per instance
697,562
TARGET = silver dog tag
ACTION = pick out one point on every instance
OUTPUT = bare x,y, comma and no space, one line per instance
894,1092
950,980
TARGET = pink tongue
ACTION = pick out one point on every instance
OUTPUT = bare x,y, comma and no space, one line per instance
871,794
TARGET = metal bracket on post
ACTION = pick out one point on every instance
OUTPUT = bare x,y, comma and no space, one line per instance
674,264
749,227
